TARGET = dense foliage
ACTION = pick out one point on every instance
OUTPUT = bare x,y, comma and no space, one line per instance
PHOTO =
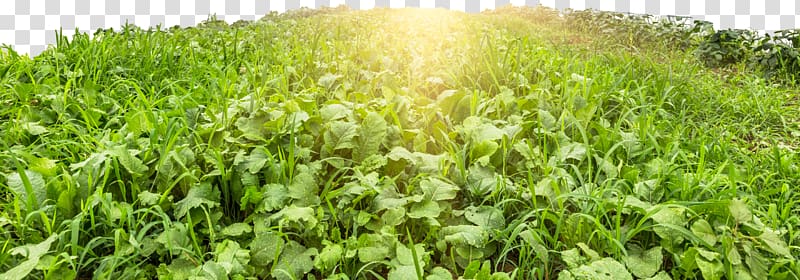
396,144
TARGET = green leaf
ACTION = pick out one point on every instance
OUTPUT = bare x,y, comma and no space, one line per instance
436,189
327,80
703,230
485,216
264,248
33,128
660,276
439,273
604,269
31,251
547,120
199,195
482,152
128,160
406,257
330,255
45,166
643,263
231,257
37,191
237,229
574,150
739,211
775,243
466,235
295,261
371,134
372,248
710,269
304,188
303,216
332,112
340,136
669,216
405,272
275,197
424,209
147,198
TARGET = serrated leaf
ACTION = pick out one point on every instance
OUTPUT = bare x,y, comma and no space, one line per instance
300,215
37,190
710,269
199,195
275,197
547,121
644,263
295,261
332,112
371,134
372,248
485,216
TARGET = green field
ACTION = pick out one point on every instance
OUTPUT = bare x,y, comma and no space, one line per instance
400,144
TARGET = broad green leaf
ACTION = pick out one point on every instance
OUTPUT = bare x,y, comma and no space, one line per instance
574,150
237,229
199,195
34,128
669,216
775,243
405,272
37,184
547,121
371,134
739,211
644,263
210,270
481,152
466,235
406,257
275,197
703,230
741,272
330,255
710,269
256,160
147,198
439,273
264,248
295,261
485,216
304,217
660,276
424,209
231,257
604,269
481,180
479,130
45,166
128,160
332,112
436,189
340,136
327,80
304,189
33,252
372,248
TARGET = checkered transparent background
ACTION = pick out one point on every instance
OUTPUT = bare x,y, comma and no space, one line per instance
29,25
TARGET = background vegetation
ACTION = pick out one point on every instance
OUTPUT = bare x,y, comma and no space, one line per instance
403,144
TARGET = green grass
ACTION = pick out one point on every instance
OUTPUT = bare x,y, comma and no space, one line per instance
393,144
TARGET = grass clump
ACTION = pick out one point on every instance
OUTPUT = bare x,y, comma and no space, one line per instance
393,144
